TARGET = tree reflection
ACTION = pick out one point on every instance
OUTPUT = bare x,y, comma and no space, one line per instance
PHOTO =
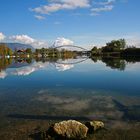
4,63
115,63
118,63
23,60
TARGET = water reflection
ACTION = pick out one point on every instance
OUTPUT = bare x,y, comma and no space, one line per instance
26,66
44,89
3,74
79,104
91,104
28,69
63,67
4,63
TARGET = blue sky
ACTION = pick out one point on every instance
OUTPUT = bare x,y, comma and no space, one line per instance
83,22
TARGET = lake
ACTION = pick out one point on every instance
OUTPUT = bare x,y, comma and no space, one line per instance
36,91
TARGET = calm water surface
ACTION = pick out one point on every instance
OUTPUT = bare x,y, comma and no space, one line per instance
82,91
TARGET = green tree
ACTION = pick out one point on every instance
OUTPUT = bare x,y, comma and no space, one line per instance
29,50
114,46
4,50
94,50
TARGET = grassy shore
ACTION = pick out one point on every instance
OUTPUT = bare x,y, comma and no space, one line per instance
36,130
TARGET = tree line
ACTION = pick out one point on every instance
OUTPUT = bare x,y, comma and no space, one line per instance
116,48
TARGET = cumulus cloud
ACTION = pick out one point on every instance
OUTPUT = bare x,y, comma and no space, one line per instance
56,5
25,39
2,36
62,41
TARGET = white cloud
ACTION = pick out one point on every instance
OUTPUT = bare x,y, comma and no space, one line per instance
25,39
62,41
102,9
39,17
2,36
56,5
102,6
106,2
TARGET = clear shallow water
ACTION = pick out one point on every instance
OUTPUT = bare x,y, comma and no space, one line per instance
57,91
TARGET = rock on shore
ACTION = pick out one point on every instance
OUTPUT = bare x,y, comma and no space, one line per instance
71,129
94,125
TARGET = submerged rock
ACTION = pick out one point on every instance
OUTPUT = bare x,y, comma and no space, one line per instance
94,125
70,129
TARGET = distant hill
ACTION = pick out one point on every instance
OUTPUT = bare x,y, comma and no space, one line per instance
14,46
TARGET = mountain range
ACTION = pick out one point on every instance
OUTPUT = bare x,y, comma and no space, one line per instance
14,46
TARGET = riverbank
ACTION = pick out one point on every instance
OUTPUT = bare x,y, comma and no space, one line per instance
37,130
